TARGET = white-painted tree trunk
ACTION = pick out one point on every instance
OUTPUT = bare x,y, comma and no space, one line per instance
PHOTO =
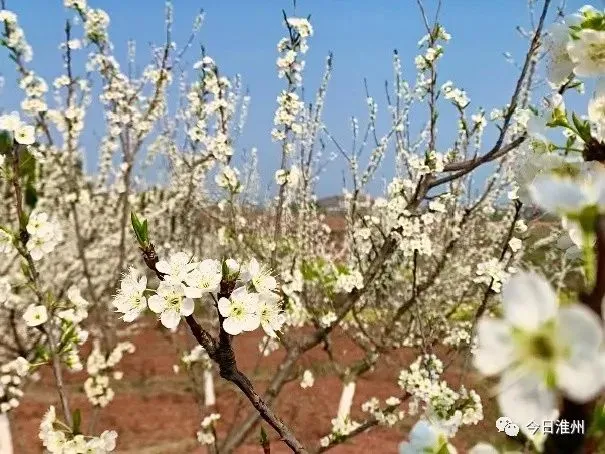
6,441
209,396
346,400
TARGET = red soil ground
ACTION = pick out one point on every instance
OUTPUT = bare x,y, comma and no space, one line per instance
154,410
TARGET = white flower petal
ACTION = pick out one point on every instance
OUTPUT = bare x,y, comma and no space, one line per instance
581,329
557,195
524,397
495,347
528,300
187,307
170,318
232,326
581,381
131,315
224,307
163,267
250,321
193,292
156,303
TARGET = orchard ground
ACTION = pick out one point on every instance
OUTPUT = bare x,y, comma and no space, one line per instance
155,412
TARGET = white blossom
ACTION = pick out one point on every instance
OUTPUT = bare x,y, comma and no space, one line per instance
170,302
240,311
130,299
35,315
538,348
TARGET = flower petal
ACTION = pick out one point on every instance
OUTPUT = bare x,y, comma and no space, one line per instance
193,292
187,307
580,381
495,347
557,195
232,326
131,315
580,328
156,303
224,307
170,318
250,321
528,300
524,397
163,267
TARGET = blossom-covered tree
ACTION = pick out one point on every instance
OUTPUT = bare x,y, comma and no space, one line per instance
432,265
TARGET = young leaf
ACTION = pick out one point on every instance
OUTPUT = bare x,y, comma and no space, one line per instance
140,229
31,195
582,127
6,143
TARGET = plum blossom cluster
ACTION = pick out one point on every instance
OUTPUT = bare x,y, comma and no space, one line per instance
211,105
347,281
290,48
14,36
252,303
228,178
575,46
45,234
57,438
457,96
290,67
22,133
386,416
492,273
11,380
289,107
268,345
196,355
62,321
433,50
439,404
101,368
341,427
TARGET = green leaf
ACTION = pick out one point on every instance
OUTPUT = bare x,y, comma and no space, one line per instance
136,224
77,421
6,143
558,121
31,195
141,229
583,128
27,165
145,230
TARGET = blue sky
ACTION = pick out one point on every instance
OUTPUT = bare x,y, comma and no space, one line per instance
241,35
